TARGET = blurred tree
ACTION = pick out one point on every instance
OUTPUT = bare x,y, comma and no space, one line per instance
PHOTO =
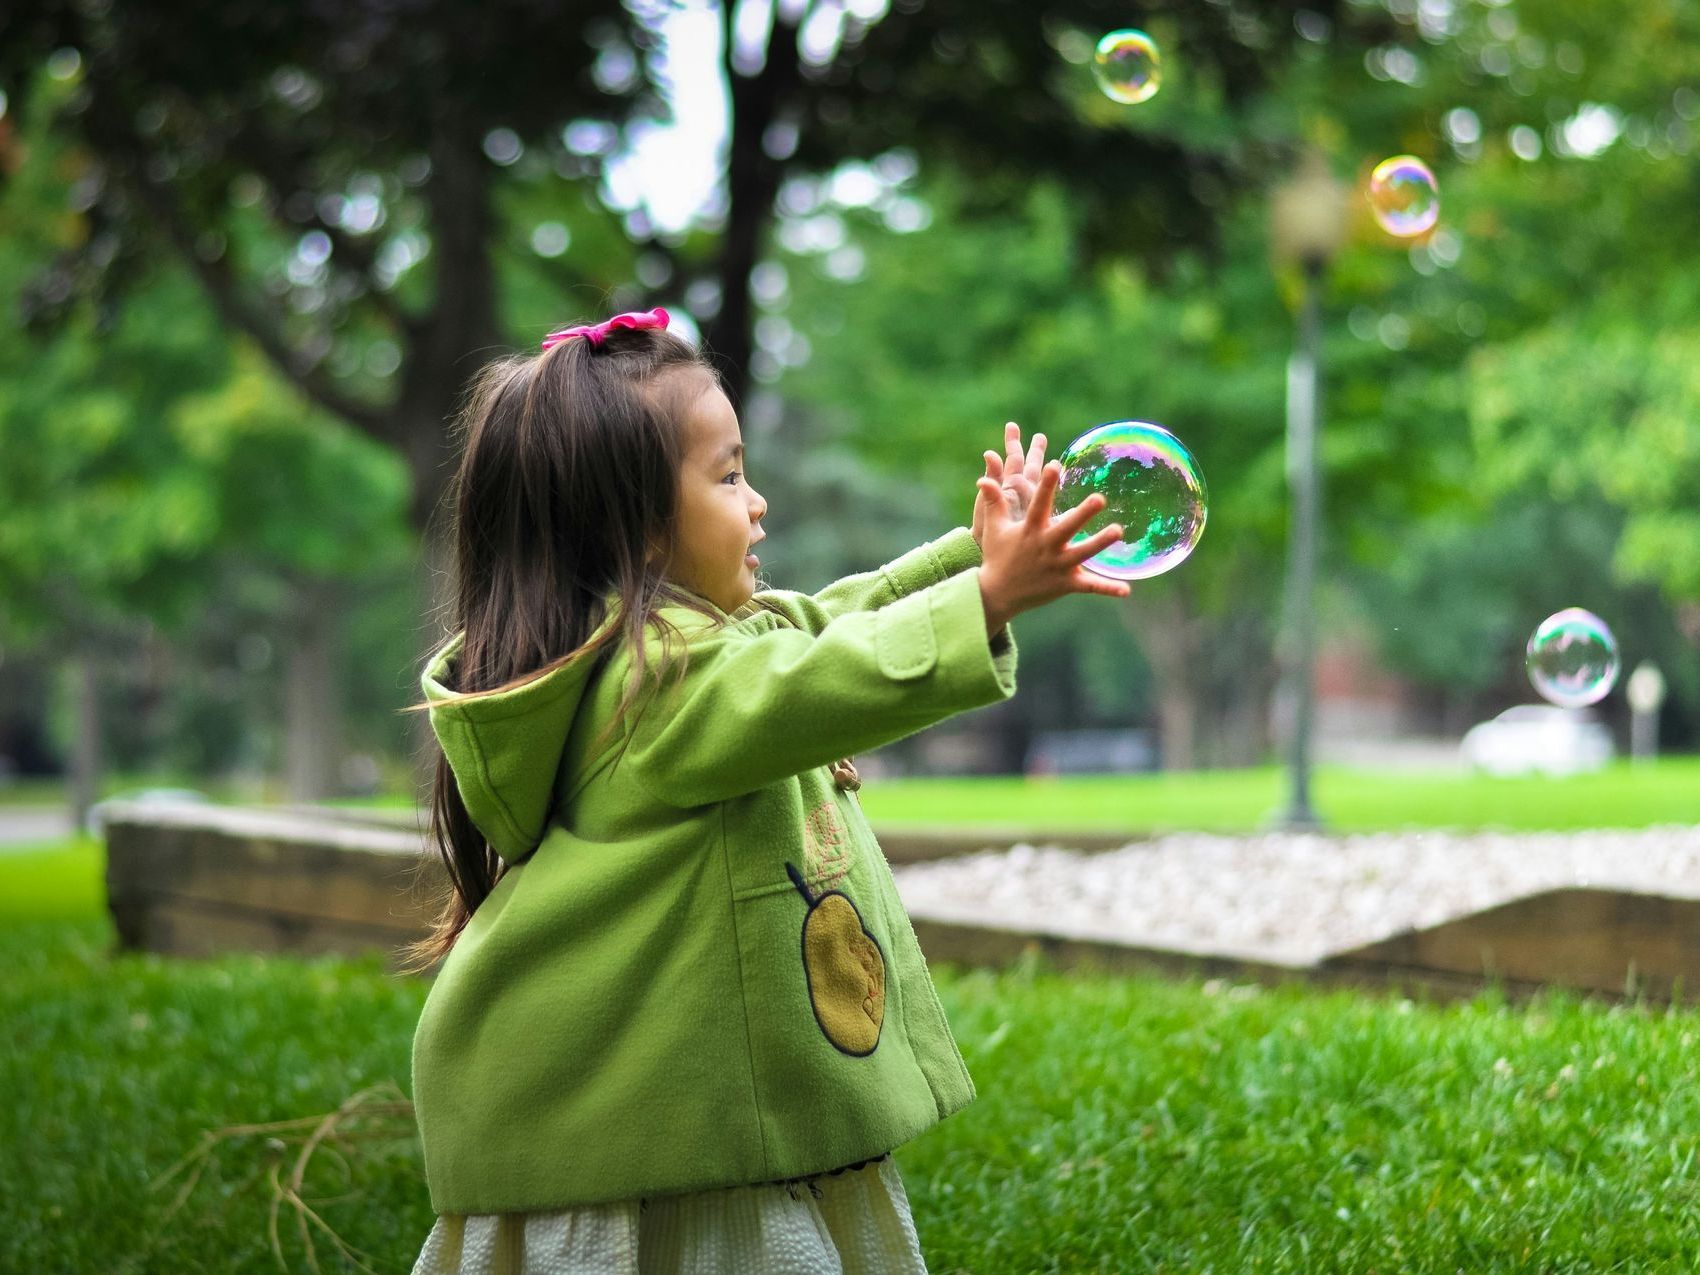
302,160
305,163
318,508
932,352
143,460
925,348
1607,405
1539,334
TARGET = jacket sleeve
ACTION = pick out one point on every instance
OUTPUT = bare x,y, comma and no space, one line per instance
920,568
754,707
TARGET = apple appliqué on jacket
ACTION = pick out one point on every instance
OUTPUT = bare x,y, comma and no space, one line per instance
845,970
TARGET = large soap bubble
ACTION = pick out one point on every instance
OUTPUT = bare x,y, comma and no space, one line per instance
1151,485
1572,658
1127,66
1405,196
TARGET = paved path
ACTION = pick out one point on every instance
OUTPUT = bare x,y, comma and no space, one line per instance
24,825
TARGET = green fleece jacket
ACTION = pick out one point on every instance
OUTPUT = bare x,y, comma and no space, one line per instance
696,971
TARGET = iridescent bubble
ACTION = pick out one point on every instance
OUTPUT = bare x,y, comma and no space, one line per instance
1151,486
1572,658
1127,66
1404,195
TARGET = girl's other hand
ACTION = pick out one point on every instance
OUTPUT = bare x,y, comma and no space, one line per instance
1028,560
1017,472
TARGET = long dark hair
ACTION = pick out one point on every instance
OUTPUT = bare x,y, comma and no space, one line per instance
566,491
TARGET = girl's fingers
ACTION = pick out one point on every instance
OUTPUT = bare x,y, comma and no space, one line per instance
1095,544
994,466
1035,457
1012,445
1069,522
991,492
1088,583
1039,511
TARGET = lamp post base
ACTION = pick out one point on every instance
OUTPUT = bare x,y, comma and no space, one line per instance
1295,819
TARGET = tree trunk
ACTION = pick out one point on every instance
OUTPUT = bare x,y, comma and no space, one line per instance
1245,726
1177,724
1240,669
87,752
1159,621
313,693
752,181
445,349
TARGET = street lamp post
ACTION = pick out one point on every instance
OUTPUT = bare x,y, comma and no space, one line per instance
1308,225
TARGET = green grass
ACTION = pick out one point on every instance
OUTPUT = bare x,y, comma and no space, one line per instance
1135,1125
55,881
1123,1124
113,1067
1620,796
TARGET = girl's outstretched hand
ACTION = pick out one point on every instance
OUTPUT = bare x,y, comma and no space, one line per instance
1027,559
1017,472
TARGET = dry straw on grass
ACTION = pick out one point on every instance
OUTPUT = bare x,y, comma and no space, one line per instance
379,1114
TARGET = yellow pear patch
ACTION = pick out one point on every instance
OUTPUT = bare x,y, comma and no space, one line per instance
844,968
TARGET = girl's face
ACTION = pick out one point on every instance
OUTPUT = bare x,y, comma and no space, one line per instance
719,513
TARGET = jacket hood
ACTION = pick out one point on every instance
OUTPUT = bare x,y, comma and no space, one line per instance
505,750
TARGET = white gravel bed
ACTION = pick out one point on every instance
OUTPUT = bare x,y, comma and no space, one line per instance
1286,898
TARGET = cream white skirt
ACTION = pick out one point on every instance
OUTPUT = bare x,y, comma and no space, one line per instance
853,1222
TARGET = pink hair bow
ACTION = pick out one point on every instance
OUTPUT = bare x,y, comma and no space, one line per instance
596,333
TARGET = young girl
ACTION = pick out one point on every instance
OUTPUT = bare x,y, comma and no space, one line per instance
678,981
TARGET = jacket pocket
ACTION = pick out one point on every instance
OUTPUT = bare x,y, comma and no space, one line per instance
836,1080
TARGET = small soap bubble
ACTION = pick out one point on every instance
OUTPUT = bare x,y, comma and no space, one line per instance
1127,66
1404,195
1151,485
1572,658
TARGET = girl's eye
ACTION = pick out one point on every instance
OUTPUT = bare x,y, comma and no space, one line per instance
734,474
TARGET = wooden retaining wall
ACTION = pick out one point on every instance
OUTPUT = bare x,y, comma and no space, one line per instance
195,880
1615,944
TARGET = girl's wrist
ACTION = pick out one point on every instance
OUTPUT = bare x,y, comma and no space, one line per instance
996,617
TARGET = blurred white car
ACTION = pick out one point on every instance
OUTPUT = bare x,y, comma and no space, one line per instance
1543,737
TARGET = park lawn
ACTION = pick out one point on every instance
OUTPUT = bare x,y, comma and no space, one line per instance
1620,796
1123,1123
53,881
1623,795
